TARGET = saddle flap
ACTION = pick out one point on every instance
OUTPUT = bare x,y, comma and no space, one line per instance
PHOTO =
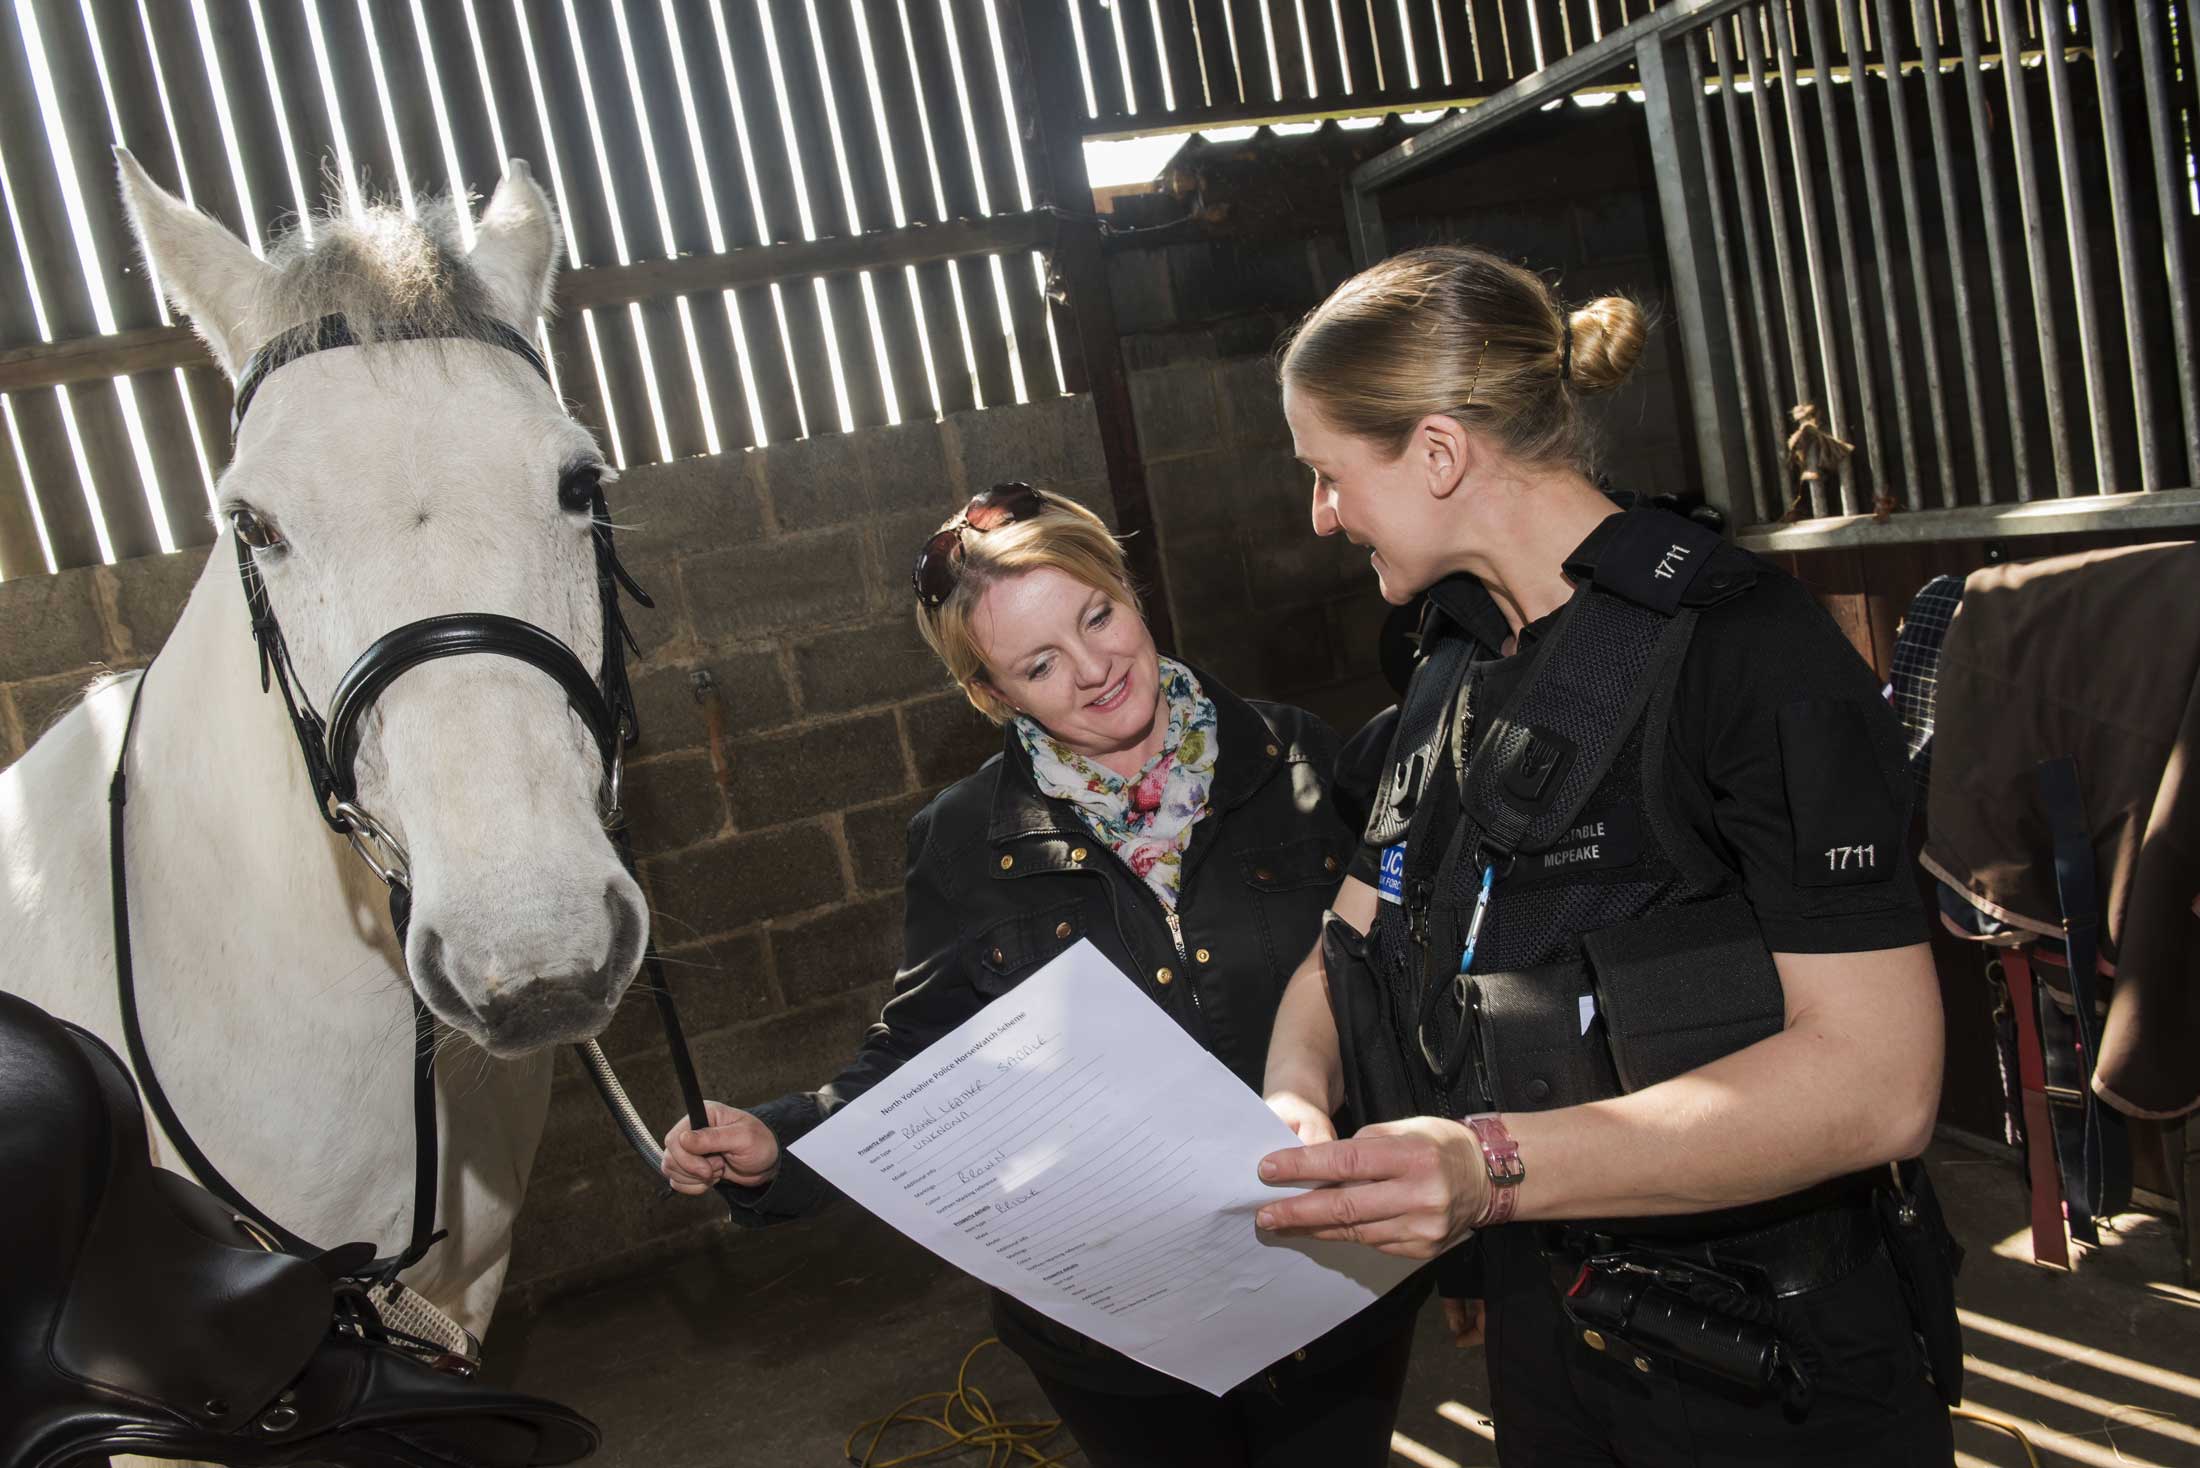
170,1301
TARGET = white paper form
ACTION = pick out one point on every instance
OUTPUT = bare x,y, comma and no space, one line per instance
1070,1144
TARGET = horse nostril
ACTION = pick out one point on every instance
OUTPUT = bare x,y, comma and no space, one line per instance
431,976
629,931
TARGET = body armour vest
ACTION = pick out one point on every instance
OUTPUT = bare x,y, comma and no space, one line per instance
1524,824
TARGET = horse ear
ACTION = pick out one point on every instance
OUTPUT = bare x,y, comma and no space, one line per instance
516,248
205,271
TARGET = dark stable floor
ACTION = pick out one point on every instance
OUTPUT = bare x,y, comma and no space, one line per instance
768,1348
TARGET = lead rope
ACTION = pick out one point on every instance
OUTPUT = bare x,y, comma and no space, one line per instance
618,638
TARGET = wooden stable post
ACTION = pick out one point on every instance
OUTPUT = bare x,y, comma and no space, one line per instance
1042,59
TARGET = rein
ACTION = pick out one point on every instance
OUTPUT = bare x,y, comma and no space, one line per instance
605,703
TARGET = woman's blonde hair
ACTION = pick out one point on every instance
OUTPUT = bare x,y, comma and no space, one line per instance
1458,331
1064,535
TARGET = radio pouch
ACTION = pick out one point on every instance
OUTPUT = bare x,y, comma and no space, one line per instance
1376,1087
1681,987
1537,1020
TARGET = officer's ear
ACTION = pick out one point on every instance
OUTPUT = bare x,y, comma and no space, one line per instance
1443,451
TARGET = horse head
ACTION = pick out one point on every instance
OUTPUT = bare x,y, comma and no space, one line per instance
428,471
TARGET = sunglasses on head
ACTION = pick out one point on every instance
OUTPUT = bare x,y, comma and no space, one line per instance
939,564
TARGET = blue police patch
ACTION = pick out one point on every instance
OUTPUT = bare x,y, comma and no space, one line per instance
1390,885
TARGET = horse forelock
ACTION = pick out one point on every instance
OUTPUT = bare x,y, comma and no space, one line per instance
379,268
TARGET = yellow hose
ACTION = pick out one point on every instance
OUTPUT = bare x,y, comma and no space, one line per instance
1995,1422
1006,1443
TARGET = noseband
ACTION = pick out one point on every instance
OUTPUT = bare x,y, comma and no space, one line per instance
603,698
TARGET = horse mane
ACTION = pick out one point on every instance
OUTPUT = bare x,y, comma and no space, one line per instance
380,268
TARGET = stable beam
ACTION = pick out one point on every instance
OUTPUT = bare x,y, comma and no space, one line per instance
98,358
2176,510
1560,79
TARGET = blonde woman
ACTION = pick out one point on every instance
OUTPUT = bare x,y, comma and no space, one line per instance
1652,1010
1186,832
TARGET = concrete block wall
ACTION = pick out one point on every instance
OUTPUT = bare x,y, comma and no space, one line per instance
1259,600
58,633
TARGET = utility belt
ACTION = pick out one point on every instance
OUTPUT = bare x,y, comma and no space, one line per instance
1717,1305
1712,1306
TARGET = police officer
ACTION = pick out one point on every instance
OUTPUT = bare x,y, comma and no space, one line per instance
1631,975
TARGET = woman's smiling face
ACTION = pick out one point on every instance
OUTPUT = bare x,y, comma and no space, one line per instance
1373,501
1078,661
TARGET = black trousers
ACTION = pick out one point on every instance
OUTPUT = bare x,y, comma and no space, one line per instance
1559,1404
1340,1418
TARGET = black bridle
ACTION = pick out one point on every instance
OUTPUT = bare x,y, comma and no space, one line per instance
602,698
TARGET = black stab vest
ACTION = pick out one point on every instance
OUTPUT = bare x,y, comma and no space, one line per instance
1618,857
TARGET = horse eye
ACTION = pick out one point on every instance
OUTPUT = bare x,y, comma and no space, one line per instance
253,530
577,488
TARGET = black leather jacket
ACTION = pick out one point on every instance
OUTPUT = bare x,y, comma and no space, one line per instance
1001,879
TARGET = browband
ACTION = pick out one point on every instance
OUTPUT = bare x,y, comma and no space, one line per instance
335,331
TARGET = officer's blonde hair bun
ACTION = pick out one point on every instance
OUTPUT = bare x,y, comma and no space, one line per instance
1458,331
1609,334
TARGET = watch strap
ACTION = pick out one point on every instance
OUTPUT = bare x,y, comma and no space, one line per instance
1501,1159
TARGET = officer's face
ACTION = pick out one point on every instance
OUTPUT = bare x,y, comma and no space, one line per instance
1075,659
1373,500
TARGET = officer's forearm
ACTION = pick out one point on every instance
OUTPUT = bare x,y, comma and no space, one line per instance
1302,1051
1302,1048
1851,1083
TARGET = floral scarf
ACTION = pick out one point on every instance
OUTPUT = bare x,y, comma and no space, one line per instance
1147,820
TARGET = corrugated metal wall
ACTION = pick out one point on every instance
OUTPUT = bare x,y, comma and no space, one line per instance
665,130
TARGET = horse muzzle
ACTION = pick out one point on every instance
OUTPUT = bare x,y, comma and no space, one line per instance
512,1002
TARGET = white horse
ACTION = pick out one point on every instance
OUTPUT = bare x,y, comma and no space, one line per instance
389,482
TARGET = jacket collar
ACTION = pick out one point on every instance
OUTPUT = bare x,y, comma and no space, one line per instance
1462,600
1247,752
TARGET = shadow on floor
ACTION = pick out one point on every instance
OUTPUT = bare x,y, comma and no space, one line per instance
769,1348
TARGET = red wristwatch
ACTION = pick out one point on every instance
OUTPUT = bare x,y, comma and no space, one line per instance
1501,1157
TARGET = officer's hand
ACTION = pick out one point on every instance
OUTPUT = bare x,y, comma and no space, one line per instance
1308,1122
1410,1188
735,1148
1465,1317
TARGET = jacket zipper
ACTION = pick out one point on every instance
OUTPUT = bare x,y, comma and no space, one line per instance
1176,934
1169,918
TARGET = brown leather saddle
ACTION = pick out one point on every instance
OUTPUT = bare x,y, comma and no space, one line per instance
138,1315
